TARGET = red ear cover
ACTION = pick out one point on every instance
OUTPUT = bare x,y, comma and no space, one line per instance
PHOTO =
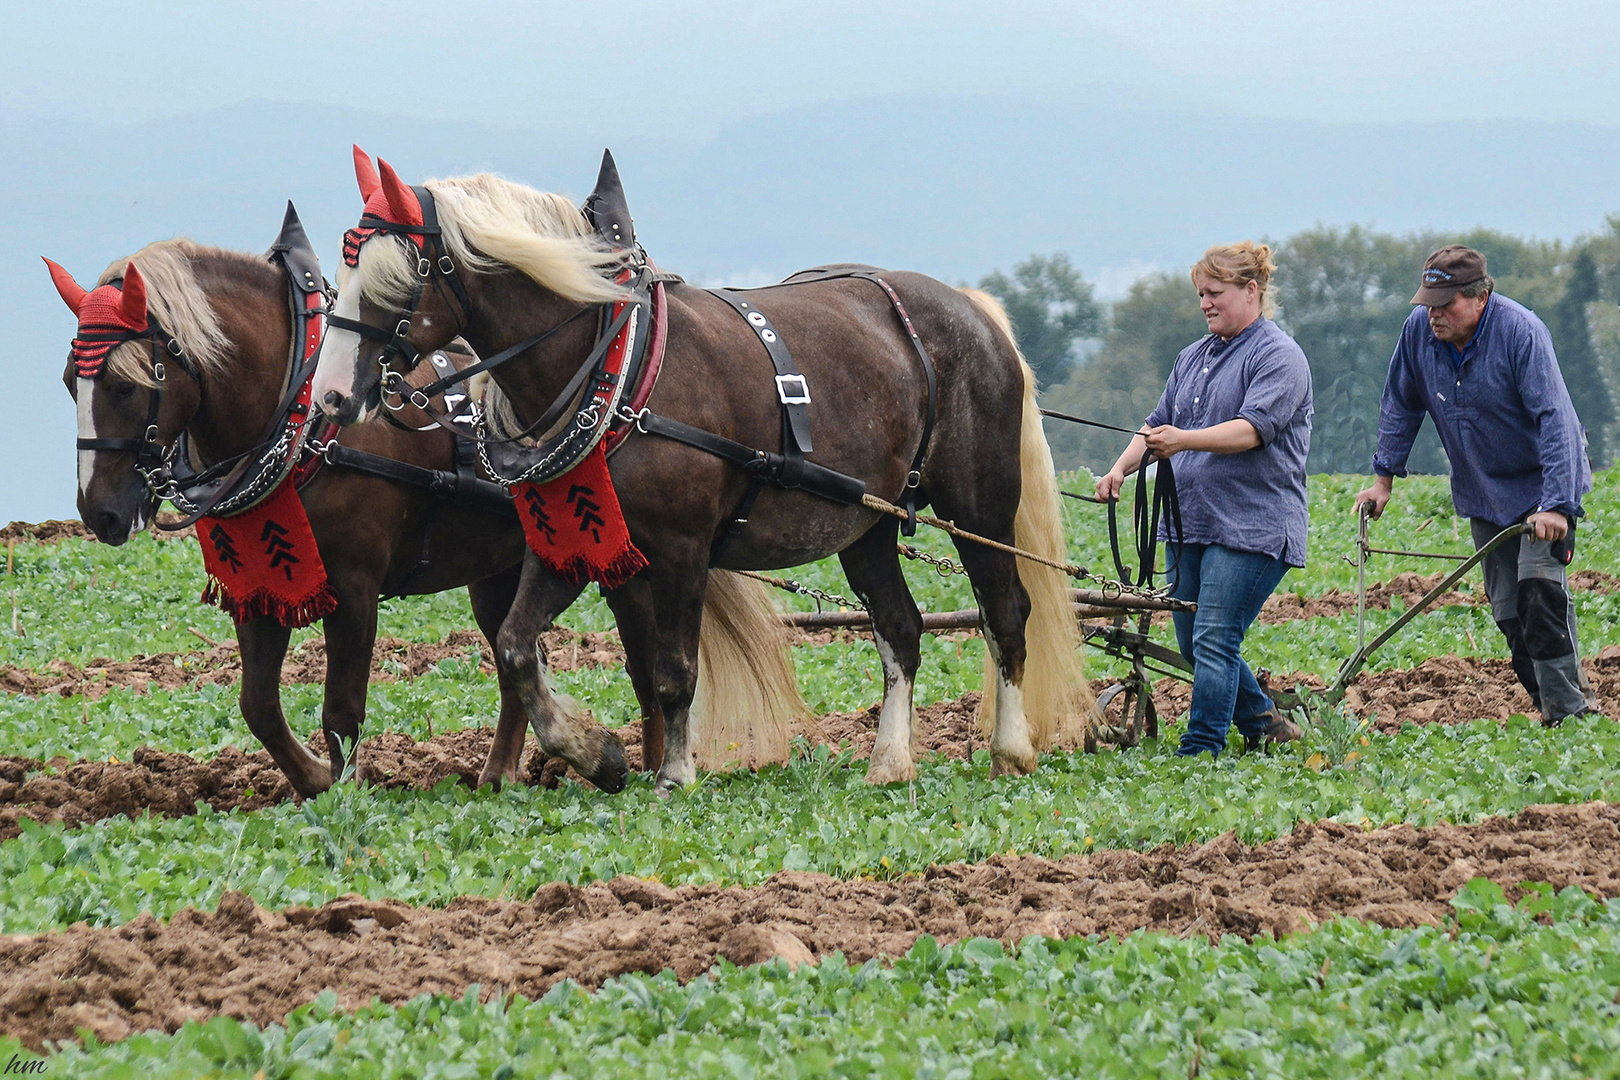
401,199
132,303
72,294
366,174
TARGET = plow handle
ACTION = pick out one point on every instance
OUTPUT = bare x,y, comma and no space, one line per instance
1353,665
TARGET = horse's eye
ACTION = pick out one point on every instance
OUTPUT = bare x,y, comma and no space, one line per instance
122,392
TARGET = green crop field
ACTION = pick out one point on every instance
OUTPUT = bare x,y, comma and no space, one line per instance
1506,985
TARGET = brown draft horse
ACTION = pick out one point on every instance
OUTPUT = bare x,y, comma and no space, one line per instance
521,261
231,313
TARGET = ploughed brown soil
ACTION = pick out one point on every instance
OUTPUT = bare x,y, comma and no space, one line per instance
257,965
306,663
49,532
44,532
1410,587
171,784
1443,690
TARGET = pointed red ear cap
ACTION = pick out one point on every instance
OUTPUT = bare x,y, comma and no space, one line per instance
366,174
407,210
72,293
132,301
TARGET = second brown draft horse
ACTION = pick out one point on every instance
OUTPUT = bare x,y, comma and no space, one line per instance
509,265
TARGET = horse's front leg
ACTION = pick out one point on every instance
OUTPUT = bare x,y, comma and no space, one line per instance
677,594
263,644
491,603
558,722
633,612
351,632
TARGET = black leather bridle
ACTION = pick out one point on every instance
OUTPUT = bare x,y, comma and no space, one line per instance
396,344
149,453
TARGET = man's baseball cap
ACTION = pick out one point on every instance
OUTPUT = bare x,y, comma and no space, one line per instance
1446,272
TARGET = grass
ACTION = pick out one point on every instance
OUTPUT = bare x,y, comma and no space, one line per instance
815,814
65,591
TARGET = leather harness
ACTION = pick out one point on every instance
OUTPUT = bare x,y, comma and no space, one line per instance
598,395
292,448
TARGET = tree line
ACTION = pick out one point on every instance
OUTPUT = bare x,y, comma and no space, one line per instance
1343,294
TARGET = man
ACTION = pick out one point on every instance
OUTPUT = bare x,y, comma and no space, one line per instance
1483,367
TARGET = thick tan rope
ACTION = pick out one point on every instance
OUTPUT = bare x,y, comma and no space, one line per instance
872,502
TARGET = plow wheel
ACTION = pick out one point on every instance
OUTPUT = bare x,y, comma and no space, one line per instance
1124,713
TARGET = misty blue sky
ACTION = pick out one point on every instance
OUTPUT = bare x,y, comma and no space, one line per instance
757,138
658,68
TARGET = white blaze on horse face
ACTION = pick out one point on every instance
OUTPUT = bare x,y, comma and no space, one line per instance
87,430
340,353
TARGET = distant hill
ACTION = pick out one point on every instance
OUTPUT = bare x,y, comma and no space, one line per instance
951,187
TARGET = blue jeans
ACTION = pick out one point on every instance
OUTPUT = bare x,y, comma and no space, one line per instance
1229,587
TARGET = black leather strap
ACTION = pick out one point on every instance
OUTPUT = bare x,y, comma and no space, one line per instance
812,478
1146,513
791,388
458,486
908,499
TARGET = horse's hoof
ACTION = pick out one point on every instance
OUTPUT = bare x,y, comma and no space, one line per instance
612,773
1011,764
891,766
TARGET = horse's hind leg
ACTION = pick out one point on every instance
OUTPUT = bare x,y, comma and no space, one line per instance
873,570
491,602
263,643
1005,606
563,732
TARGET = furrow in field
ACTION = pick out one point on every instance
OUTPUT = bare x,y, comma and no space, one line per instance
1409,587
391,658
257,965
172,784
1443,690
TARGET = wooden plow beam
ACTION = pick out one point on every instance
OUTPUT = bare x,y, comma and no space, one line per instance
1088,604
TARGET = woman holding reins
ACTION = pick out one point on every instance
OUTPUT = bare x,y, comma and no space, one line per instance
1236,416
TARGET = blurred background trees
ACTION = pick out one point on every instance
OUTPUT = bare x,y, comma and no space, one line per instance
1343,294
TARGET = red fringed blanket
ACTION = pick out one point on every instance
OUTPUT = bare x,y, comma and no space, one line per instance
265,562
576,527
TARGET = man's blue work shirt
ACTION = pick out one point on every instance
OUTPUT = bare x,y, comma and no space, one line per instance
1502,410
1253,500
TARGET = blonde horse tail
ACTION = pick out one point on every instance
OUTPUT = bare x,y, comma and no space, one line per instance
747,706
1057,697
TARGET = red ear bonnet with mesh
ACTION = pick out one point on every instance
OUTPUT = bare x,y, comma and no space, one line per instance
387,200
108,316
401,199
366,173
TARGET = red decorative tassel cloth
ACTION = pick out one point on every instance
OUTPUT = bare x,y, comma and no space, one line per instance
576,527
265,562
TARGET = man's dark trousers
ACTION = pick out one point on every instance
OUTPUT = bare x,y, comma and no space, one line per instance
1529,593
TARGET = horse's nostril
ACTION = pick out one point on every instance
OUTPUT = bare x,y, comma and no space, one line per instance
109,525
334,399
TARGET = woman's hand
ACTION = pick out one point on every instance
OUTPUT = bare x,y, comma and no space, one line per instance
1167,440
1232,437
1110,485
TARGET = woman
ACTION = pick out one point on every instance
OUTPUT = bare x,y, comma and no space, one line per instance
1236,416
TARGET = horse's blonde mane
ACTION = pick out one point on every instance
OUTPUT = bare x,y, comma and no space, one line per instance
489,222
177,301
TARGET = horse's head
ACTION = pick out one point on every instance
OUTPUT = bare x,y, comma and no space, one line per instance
135,392
399,297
